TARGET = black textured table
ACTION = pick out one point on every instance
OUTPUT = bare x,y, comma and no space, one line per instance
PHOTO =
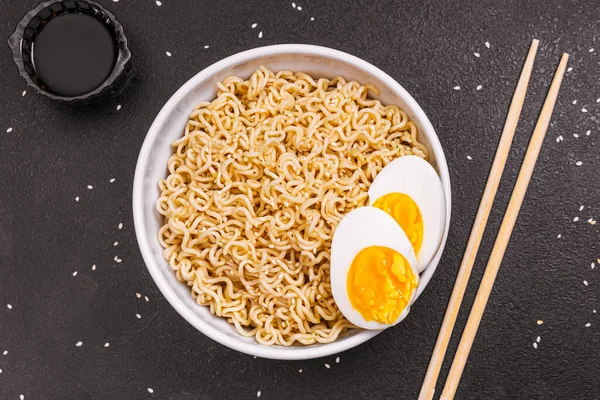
69,330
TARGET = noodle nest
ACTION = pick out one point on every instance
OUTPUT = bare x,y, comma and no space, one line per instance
256,187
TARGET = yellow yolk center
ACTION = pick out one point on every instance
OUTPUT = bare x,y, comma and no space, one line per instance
380,284
406,213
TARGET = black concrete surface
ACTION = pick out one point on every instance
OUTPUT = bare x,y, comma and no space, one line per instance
53,153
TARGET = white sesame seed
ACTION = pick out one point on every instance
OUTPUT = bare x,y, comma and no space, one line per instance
106,344
258,394
158,3
299,8
574,101
168,53
579,163
5,352
94,267
594,311
22,397
478,87
569,69
469,158
476,54
585,283
540,322
313,18
0,370
112,180
559,236
487,44
150,390
138,316
294,5
139,296
575,135
254,25
598,100
592,265
90,187
538,339
78,344
77,198
260,34
337,360
456,87
146,298
534,345
581,208
300,371
75,273
327,366
588,325
584,110
24,93
121,225
9,306
115,244
9,130
561,138
591,50
206,46
575,219
118,107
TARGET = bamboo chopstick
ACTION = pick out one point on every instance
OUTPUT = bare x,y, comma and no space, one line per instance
508,223
464,272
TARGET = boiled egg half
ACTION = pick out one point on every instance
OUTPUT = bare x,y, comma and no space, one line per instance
378,251
411,192
373,269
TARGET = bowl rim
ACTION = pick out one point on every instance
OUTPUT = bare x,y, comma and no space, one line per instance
275,352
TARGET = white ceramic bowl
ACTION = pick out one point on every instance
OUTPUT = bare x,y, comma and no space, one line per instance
169,125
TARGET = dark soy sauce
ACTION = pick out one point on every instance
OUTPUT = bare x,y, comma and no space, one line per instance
74,54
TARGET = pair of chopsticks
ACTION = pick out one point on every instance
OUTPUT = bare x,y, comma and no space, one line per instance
508,222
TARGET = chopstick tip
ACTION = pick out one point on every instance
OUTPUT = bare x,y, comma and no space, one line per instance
535,42
564,60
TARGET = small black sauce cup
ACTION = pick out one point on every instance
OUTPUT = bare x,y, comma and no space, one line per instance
21,43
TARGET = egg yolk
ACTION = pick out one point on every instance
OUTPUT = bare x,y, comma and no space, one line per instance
406,213
380,284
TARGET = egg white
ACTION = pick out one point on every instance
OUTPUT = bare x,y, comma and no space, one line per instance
416,178
364,227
